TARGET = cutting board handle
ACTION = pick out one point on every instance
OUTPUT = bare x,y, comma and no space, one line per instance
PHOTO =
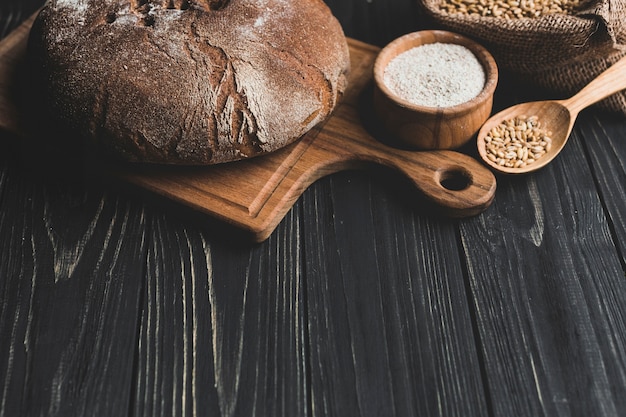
455,184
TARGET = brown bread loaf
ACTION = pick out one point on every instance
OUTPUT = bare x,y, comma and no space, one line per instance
190,81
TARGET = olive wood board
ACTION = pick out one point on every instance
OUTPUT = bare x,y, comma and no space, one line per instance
254,195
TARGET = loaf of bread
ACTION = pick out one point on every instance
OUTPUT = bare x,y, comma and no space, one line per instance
190,82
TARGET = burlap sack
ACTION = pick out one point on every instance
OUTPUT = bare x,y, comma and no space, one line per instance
557,52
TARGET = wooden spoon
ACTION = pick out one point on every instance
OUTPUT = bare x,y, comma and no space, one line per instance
555,116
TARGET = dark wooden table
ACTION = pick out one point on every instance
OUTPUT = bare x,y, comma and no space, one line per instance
361,303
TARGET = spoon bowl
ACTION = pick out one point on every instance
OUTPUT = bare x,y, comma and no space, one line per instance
556,117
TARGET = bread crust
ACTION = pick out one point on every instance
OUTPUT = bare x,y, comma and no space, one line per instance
190,82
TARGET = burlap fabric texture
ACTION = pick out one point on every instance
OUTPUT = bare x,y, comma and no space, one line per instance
558,52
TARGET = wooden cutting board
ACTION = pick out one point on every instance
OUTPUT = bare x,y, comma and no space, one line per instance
254,195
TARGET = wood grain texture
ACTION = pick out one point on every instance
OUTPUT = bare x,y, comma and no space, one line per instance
390,327
12,51
69,300
106,318
221,330
604,143
548,284
114,302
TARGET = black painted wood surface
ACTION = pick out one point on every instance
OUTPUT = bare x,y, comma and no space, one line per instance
114,303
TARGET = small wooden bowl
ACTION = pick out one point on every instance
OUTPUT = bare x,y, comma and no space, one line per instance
421,127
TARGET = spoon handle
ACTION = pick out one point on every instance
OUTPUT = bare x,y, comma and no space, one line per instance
611,81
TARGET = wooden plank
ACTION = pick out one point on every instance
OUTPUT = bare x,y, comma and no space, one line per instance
222,329
548,287
115,308
378,22
174,370
12,51
604,142
391,331
390,328
69,292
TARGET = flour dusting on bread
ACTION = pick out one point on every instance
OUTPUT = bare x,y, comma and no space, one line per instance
190,81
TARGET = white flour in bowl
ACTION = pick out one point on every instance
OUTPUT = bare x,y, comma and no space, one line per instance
435,75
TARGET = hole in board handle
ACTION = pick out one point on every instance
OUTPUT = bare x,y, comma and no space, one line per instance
456,179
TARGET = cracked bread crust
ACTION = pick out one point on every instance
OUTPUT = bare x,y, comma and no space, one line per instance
190,82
